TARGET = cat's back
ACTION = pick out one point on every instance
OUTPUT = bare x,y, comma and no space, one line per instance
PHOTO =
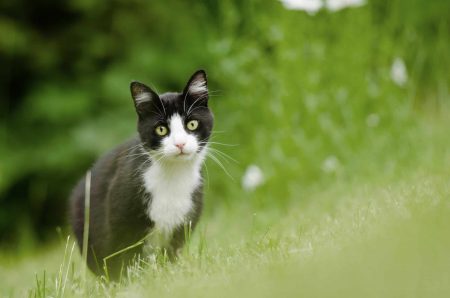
106,167
103,173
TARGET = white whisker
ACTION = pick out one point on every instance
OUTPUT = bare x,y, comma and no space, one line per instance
184,101
199,98
190,113
223,144
219,163
207,173
131,148
225,156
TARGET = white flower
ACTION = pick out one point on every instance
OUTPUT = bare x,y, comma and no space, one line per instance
252,178
399,73
310,6
313,6
373,120
335,5
330,164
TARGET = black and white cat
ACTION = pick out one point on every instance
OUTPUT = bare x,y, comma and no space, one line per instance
150,186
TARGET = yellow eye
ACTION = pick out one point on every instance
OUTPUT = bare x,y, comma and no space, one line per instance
192,125
161,130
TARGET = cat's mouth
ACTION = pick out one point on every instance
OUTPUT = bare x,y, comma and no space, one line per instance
183,155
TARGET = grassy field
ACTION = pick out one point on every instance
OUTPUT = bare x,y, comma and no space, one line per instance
345,113
381,235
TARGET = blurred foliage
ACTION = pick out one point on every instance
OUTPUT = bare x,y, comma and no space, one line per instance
293,90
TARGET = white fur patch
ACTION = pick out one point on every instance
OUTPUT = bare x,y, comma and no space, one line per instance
171,186
198,86
143,97
173,179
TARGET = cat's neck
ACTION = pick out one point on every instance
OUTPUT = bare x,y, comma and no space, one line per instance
171,185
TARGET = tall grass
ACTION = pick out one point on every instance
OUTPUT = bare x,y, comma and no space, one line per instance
87,216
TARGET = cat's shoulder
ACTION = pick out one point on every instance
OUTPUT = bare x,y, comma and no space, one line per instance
116,155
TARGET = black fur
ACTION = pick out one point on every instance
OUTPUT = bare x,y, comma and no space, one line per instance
118,202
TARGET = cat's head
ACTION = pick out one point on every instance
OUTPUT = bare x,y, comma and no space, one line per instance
174,126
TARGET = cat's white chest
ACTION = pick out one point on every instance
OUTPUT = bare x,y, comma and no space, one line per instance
171,188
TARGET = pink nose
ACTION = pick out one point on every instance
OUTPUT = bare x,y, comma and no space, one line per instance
180,146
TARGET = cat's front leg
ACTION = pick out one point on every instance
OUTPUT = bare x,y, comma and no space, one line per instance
178,240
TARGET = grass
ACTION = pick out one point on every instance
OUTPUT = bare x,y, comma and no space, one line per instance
369,236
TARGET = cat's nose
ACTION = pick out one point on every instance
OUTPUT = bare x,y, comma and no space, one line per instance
180,145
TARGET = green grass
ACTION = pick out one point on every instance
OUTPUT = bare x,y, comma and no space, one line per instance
369,236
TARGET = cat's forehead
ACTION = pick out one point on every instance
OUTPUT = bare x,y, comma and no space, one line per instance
170,97
174,103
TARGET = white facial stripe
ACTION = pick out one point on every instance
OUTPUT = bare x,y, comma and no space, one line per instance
179,137
198,86
177,131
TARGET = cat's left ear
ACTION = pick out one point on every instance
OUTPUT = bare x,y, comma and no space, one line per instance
197,87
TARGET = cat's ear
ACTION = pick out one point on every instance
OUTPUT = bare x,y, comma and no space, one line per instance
197,86
144,98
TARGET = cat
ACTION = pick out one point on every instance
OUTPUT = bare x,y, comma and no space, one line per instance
149,187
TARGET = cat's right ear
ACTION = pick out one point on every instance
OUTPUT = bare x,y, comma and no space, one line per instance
144,98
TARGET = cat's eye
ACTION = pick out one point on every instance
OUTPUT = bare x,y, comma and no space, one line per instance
161,130
192,125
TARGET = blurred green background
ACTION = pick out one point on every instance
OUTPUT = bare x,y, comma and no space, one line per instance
291,89
312,99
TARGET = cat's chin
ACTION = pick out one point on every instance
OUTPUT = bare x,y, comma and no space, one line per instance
182,157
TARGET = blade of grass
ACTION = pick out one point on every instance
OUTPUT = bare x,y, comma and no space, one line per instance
87,208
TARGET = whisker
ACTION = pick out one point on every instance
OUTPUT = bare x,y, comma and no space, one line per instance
207,174
218,143
137,154
200,98
159,110
131,148
160,116
224,155
141,166
137,157
190,113
140,150
209,138
160,156
184,101
211,92
160,100
219,163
